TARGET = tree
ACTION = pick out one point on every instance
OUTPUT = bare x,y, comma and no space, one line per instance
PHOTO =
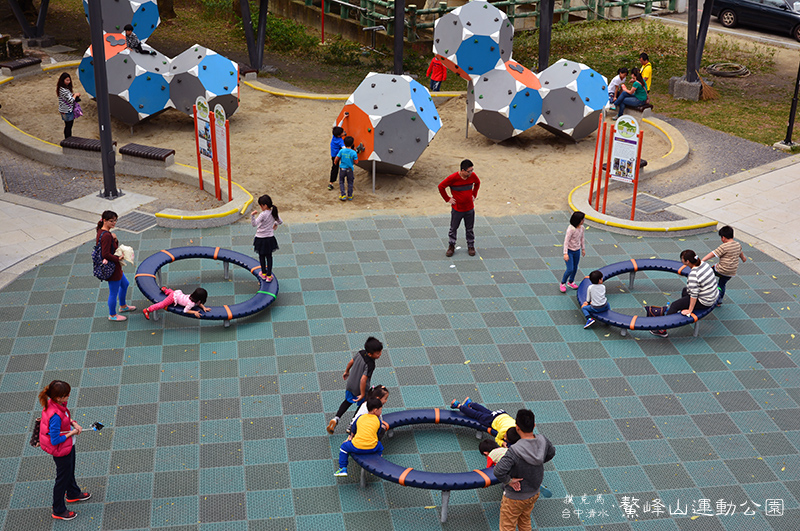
166,9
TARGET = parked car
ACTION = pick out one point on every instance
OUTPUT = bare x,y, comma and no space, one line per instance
772,15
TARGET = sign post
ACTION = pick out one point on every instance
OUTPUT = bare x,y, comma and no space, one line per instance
222,145
626,152
202,136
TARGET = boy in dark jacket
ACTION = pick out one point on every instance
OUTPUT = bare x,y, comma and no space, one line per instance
521,470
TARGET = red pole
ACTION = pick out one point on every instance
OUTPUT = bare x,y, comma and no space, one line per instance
228,158
608,168
600,170
323,21
636,175
197,148
215,161
594,160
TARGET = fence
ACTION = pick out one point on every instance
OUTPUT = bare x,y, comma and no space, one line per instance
371,13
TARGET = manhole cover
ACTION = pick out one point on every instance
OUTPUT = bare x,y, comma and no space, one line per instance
648,204
136,222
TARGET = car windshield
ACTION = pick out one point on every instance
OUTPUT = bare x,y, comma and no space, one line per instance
775,3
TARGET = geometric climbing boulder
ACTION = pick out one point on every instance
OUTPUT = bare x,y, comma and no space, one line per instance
392,119
143,16
574,97
200,71
504,102
473,39
141,85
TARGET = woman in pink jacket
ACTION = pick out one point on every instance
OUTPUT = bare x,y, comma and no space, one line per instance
57,433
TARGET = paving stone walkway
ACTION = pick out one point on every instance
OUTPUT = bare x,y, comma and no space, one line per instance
210,428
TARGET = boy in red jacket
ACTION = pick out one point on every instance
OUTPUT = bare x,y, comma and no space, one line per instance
464,185
437,72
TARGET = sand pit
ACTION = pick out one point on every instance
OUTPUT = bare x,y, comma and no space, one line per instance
280,147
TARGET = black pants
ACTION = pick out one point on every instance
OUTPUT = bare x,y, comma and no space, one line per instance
266,264
65,481
469,224
334,170
683,304
68,129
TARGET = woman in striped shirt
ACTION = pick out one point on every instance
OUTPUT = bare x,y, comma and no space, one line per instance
700,292
66,102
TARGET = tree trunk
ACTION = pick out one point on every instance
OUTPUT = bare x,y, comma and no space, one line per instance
166,9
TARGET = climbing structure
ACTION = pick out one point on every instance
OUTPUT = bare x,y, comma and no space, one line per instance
503,97
143,84
393,119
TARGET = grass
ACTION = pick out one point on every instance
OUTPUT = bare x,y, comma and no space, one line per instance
760,102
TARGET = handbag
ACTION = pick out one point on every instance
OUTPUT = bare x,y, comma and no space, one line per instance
100,270
77,111
656,311
35,433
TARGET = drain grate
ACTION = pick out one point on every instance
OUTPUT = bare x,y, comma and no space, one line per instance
648,204
136,222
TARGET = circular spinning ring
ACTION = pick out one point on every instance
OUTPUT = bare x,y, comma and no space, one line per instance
634,322
148,280
410,477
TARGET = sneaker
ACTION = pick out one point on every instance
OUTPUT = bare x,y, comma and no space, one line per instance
332,426
330,187
659,333
471,251
349,197
341,472
450,251
719,303
83,497
127,308
342,198
163,289
572,285
117,318
146,313
268,278
455,404
466,402
66,515
589,322
563,288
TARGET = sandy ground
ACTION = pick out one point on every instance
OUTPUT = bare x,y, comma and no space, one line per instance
280,147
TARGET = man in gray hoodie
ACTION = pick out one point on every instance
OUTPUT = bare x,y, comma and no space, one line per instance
521,470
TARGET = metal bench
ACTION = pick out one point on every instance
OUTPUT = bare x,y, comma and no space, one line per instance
81,144
21,66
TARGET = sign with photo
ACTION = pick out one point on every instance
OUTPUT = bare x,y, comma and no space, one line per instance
625,149
221,132
203,132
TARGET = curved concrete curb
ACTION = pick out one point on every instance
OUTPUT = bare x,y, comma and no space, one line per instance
579,200
51,154
675,157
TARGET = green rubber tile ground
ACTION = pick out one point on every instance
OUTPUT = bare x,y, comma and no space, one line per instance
212,428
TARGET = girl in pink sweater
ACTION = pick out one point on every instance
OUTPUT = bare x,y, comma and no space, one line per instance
574,248
179,298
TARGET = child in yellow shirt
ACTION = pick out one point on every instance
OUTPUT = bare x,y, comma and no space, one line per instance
498,420
365,432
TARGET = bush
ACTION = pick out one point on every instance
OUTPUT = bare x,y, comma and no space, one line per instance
341,52
216,8
282,34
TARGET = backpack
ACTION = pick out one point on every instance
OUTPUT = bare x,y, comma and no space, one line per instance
99,269
35,433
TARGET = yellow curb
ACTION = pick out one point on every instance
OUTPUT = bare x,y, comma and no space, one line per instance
56,66
6,80
333,97
629,226
671,142
28,134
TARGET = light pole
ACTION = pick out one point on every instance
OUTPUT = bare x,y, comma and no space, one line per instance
787,142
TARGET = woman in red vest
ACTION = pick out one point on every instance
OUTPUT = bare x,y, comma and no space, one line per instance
57,439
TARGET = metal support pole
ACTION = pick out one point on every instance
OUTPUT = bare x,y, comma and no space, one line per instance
373,176
546,8
445,504
41,18
399,31
705,20
27,30
788,140
107,155
691,46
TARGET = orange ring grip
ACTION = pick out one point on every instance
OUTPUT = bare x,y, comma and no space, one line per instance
168,254
485,477
402,479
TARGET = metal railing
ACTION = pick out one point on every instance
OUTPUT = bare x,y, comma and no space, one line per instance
418,22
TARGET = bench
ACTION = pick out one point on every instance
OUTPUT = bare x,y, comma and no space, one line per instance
76,145
445,482
635,322
151,155
21,66
646,109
